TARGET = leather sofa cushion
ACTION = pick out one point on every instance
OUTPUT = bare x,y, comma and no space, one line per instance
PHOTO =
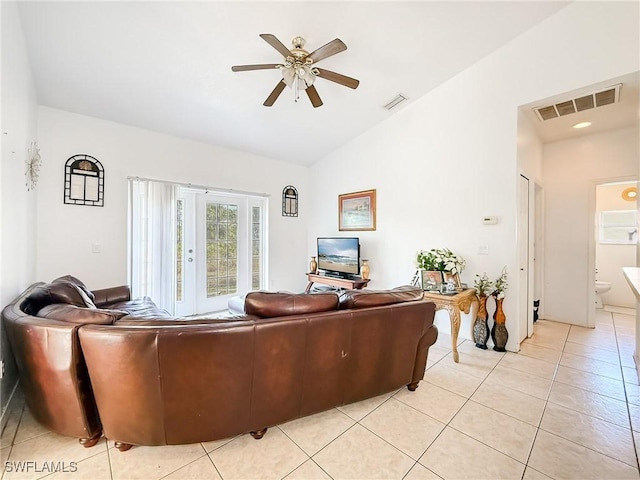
81,315
378,298
272,304
78,283
61,291
142,307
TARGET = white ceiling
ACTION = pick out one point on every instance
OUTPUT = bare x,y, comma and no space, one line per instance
166,66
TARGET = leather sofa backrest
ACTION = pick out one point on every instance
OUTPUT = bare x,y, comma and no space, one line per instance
77,282
277,304
55,292
80,315
377,298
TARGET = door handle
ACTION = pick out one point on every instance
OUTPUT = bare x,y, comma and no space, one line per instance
189,259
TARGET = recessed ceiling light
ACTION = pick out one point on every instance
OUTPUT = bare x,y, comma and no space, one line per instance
582,125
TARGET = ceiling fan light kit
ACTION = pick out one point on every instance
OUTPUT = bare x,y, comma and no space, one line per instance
298,70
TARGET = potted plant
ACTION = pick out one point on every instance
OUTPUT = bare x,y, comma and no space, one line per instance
499,333
484,288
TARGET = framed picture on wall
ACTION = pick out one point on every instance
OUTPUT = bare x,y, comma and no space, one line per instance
357,211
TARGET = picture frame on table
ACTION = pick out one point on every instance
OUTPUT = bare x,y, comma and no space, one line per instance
357,211
455,276
431,279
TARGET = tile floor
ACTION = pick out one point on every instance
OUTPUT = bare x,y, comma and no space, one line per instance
567,407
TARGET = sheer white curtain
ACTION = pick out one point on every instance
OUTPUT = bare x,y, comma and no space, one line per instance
152,241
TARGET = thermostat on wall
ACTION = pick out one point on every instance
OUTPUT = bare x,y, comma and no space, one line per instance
489,220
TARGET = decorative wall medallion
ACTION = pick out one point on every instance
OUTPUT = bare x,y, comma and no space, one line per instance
34,162
289,201
84,181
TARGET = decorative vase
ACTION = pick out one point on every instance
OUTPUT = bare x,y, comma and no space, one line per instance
480,326
365,269
499,333
313,265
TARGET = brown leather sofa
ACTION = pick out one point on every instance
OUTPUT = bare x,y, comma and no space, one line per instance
147,378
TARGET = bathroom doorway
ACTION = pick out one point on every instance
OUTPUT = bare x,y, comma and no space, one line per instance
615,237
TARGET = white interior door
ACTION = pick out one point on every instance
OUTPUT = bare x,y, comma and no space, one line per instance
524,300
185,253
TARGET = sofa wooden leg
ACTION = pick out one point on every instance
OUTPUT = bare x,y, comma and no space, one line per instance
123,447
258,434
90,442
412,386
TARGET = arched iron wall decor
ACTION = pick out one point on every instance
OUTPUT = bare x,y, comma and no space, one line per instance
84,181
289,201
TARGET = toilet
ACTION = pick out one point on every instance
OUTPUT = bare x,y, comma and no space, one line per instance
601,287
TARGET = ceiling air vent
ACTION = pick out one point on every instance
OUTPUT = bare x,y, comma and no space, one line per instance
599,98
397,100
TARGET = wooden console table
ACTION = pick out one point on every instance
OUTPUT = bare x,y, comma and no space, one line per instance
335,282
454,304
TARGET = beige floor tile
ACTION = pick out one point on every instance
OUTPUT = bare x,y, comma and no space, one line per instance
626,358
599,435
309,470
633,393
591,352
151,463
530,365
593,337
432,400
625,331
14,414
420,472
590,403
314,432
502,432
630,375
469,364
29,428
212,445
486,357
49,448
437,352
510,402
376,459
549,334
200,469
359,410
531,474
634,414
636,440
604,316
559,458
592,382
274,456
93,468
404,427
623,316
591,365
458,456
520,381
541,353
453,380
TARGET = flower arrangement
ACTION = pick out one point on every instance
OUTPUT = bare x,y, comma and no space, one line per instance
484,286
500,285
440,259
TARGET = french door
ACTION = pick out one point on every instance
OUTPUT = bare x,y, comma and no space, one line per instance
220,244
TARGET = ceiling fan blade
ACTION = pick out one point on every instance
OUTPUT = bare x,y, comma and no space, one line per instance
338,78
273,96
312,93
331,48
263,66
275,43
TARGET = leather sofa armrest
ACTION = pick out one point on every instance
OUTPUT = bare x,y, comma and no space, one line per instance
107,296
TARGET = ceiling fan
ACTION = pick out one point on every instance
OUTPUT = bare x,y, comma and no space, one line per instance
299,70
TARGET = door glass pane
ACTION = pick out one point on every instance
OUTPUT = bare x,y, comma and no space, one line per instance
256,260
222,248
179,246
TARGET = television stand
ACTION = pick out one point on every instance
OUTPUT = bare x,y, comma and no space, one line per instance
353,283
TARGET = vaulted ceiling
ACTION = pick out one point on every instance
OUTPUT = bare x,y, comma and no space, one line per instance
166,66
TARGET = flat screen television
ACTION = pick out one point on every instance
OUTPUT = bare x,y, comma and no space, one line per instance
339,256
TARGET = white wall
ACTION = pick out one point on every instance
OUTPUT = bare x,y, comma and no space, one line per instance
610,259
17,206
571,170
450,158
66,232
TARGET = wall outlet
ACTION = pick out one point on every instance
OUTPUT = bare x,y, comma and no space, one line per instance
483,250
